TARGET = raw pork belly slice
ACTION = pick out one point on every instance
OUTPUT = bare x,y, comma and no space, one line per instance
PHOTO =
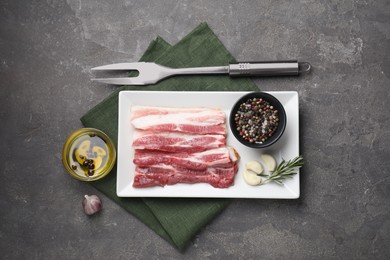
186,120
177,142
220,157
141,111
161,175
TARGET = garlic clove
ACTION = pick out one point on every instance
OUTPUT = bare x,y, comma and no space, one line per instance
99,151
251,178
269,161
81,151
91,204
98,162
254,166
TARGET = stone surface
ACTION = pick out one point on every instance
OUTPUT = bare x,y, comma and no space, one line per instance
46,51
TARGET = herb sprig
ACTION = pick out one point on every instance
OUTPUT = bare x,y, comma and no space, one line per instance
284,170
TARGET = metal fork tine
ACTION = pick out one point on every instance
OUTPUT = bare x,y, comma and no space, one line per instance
149,73
120,81
120,66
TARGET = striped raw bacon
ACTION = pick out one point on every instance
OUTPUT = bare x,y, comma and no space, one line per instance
177,142
185,120
220,157
161,175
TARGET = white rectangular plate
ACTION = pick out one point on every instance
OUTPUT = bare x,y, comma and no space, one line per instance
287,147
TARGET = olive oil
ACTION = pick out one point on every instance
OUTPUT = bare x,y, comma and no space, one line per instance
89,154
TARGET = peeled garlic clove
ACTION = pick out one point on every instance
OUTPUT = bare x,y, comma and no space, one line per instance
91,204
254,166
251,178
269,161
99,151
98,162
81,151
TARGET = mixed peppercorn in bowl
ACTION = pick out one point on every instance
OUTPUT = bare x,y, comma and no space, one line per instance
258,120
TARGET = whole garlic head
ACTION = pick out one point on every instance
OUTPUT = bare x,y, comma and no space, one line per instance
91,204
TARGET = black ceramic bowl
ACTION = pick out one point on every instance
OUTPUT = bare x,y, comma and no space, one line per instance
273,101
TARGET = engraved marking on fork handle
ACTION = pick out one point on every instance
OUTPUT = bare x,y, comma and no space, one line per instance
279,68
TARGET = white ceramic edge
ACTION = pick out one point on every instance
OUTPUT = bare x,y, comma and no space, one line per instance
291,189
120,145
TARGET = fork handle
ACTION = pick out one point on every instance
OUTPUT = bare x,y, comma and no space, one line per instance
268,68
263,68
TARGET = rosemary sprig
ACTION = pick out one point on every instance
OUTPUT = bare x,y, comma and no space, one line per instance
284,170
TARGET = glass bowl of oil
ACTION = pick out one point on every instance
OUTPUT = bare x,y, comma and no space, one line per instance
88,154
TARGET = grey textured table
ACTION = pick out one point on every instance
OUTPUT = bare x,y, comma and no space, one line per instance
46,51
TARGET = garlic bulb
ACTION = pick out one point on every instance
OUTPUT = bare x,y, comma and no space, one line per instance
91,204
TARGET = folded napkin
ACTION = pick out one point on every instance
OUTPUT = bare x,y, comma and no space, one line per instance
175,219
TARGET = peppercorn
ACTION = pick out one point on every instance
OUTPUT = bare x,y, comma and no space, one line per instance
256,120
91,172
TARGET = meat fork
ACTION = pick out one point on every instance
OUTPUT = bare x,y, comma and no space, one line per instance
151,73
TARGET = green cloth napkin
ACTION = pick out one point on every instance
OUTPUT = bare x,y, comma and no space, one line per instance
175,219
